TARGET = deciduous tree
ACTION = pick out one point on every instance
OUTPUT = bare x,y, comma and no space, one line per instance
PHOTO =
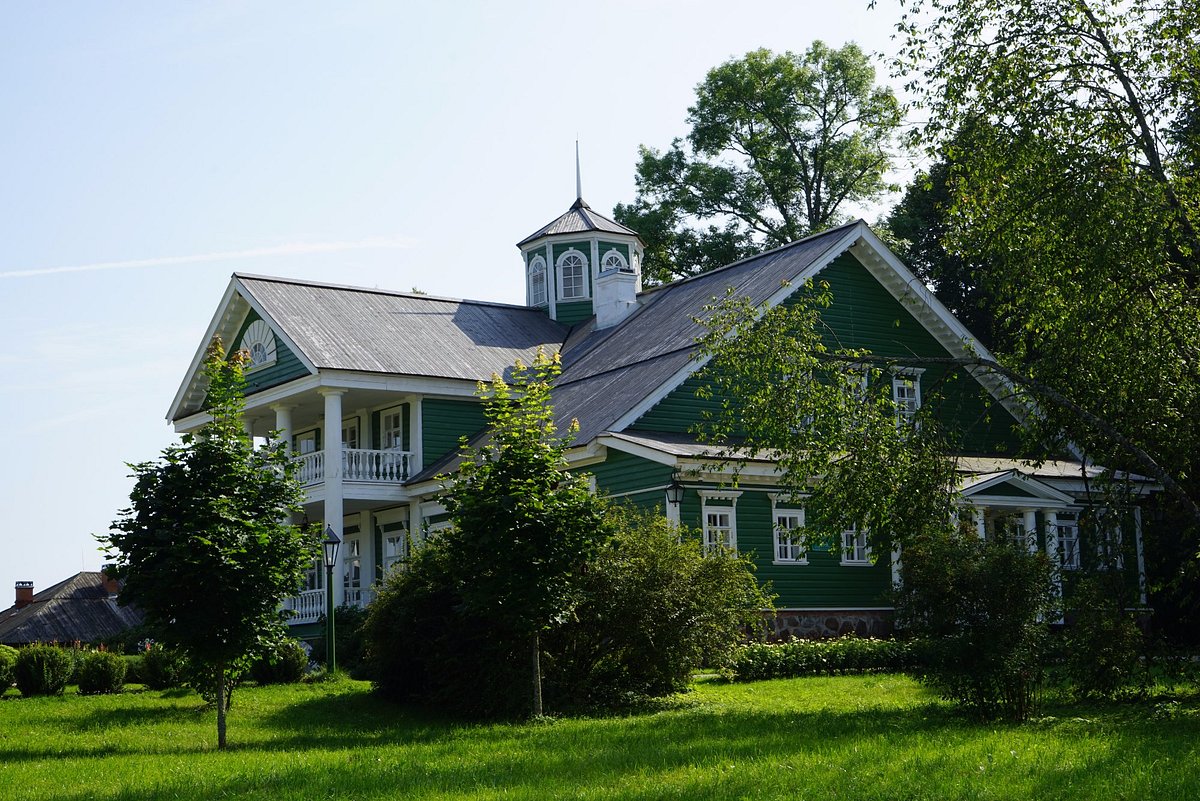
779,146
205,549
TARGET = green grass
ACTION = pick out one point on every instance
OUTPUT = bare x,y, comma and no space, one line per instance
862,737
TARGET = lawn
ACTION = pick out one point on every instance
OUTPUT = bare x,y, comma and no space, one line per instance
876,737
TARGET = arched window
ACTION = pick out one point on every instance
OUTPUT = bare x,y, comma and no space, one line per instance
572,275
613,260
537,281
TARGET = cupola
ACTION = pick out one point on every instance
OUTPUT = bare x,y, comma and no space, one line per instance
583,264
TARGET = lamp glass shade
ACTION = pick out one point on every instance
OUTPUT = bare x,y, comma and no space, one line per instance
331,543
675,492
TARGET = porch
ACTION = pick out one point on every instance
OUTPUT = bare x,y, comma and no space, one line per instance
309,605
370,465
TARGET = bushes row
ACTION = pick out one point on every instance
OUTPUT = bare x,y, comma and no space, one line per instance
815,657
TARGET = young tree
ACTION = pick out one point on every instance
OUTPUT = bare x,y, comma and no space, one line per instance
779,145
204,548
523,525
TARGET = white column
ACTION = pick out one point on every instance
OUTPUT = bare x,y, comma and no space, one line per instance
551,282
415,436
1029,519
283,423
333,481
980,524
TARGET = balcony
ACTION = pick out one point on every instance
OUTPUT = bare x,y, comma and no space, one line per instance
358,464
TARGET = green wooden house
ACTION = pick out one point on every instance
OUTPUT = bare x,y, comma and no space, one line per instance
373,389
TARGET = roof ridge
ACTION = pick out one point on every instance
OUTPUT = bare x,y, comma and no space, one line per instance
378,291
724,267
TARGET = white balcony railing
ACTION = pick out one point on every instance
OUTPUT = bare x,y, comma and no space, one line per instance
358,464
309,605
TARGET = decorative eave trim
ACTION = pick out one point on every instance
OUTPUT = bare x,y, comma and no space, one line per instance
1041,490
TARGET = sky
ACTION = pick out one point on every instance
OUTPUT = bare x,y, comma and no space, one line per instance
152,149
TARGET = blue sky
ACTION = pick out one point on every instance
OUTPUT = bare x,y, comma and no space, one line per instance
152,149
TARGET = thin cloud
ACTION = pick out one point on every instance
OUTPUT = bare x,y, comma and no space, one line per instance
294,249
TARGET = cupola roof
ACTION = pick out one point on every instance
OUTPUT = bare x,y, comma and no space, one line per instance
579,219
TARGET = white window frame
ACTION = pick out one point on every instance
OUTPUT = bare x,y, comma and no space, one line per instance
713,532
1067,534
855,550
537,267
394,431
306,442
354,442
560,265
906,408
614,260
352,562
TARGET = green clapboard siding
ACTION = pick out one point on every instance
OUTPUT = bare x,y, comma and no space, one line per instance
286,367
864,315
622,473
823,583
574,312
444,422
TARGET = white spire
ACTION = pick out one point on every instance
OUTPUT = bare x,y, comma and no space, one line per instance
578,179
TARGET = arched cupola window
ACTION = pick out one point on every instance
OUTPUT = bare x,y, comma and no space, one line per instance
614,260
572,275
537,281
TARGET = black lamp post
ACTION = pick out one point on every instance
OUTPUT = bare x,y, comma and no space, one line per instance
331,543
675,491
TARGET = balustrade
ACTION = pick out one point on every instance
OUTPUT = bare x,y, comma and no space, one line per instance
358,464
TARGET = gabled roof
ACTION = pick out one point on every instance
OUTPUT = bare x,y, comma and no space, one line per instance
610,377
333,327
78,608
579,219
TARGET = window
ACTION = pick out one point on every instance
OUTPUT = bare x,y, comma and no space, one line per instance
854,547
718,530
352,571
613,260
350,434
572,275
1068,540
395,548
906,393
537,281
790,545
1109,544
306,442
391,430
720,518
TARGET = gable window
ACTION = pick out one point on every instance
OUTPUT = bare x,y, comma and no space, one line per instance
572,275
854,547
537,281
259,342
906,393
613,260
1068,540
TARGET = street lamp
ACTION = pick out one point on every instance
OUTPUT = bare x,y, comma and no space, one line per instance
675,491
331,543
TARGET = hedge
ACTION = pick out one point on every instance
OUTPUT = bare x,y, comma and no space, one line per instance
815,657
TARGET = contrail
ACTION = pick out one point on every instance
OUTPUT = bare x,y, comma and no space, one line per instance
295,249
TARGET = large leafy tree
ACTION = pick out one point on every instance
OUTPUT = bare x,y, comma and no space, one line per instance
1074,183
779,145
205,549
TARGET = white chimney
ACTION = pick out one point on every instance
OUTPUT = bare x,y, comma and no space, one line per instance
616,296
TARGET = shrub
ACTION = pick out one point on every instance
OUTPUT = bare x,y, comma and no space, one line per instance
813,657
647,611
351,642
283,663
8,662
100,672
162,668
653,608
978,610
133,669
43,670
1104,644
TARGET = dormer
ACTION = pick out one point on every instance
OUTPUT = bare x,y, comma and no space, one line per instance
583,264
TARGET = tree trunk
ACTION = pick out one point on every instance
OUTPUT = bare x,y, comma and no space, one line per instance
537,676
221,706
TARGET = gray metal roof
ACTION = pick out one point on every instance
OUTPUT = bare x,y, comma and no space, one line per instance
78,608
607,373
578,219
371,330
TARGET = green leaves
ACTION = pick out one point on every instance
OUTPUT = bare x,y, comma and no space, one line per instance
779,144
